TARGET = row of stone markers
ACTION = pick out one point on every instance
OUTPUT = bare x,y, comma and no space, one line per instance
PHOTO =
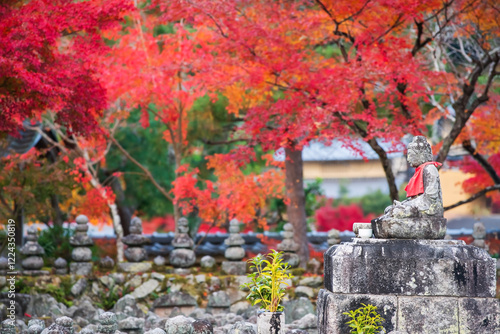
181,258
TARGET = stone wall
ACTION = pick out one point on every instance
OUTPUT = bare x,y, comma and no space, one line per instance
150,300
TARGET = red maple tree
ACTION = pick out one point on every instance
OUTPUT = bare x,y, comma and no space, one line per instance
47,61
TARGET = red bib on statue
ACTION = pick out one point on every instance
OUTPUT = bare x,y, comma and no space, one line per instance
416,185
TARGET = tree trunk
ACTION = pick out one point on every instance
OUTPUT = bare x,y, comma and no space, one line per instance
124,211
58,216
178,162
19,217
295,209
118,230
387,166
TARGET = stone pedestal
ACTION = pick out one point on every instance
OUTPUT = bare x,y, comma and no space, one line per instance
418,286
81,254
33,261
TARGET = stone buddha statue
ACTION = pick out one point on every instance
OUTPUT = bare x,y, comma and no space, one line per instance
420,216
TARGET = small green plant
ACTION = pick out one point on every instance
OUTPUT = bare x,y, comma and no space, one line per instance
365,320
109,296
267,287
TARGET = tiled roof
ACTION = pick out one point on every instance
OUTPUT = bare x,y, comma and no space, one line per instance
26,140
338,151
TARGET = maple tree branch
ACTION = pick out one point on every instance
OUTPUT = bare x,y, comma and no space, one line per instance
144,169
474,197
212,225
396,23
379,150
211,17
467,145
462,111
355,14
326,10
418,41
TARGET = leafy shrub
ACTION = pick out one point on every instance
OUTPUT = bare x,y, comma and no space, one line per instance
365,320
267,287
55,242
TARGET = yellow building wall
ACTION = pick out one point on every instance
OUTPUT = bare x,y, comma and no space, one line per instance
451,185
343,170
451,181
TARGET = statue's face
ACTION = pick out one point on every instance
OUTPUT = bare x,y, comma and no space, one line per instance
412,157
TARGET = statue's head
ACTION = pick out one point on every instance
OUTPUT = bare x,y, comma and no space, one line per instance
419,151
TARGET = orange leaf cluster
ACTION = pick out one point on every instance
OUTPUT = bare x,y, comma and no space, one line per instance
233,194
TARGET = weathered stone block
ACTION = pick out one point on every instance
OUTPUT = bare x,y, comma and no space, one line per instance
81,254
80,268
410,267
135,254
413,314
402,228
182,258
428,315
331,307
32,263
479,315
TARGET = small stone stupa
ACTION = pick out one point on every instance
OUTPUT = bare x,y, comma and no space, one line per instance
183,256
108,323
33,261
81,255
419,282
234,252
289,247
60,266
135,254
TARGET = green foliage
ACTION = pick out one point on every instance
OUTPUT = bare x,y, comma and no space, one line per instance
314,199
33,183
374,202
60,293
109,297
59,288
55,242
365,320
267,287
313,193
